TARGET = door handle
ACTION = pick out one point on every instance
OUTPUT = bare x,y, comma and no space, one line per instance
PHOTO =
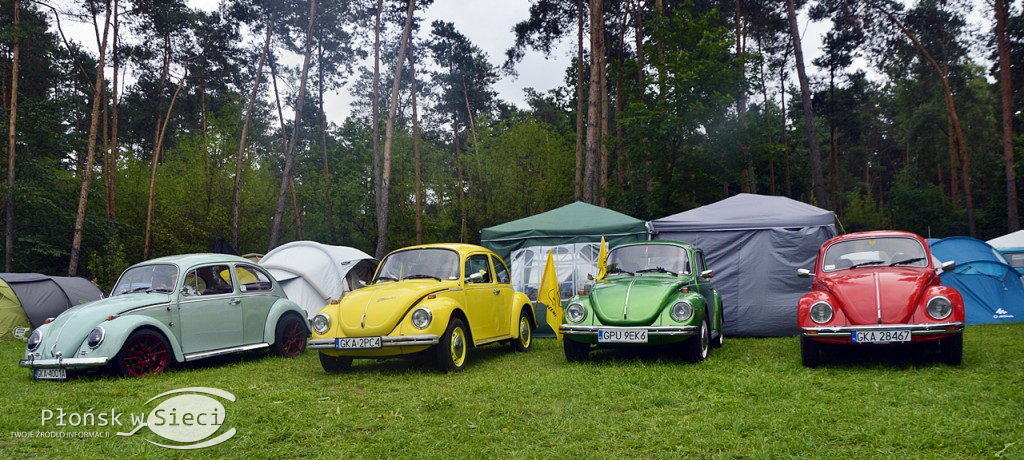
496,291
234,301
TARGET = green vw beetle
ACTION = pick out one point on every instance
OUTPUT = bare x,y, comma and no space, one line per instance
171,309
654,293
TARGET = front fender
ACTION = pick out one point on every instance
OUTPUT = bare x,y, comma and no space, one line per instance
279,309
803,310
954,296
118,330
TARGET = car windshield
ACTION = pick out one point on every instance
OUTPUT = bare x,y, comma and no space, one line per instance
427,263
649,258
147,278
874,252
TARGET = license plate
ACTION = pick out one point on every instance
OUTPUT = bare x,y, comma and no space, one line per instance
622,335
51,374
893,336
357,343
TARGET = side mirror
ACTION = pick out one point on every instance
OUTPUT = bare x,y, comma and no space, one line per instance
948,265
803,273
475,277
590,277
707,274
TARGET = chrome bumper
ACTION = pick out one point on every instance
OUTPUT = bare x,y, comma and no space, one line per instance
400,341
569,329
915,329
63,362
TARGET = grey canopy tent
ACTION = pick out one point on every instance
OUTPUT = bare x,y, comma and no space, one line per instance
573,235
27,299
755,244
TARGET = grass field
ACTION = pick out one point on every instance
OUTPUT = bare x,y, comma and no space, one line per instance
750,399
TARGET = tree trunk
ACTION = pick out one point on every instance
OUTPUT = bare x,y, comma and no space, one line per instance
593,141
11,136
1006,92
416,147
375,108
580,129
476,151
389,131
83,196
157,151
805,95
289,155
110,159
323,144
240,158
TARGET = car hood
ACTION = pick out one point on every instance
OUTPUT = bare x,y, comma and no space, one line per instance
377,309
634,300
878,296
68,330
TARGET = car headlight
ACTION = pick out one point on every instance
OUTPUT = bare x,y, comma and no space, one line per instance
34,340
682,311
575,312
321,323
421,318
96,337
821,312
939,307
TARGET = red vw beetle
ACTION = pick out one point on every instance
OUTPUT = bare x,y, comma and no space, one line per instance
879,288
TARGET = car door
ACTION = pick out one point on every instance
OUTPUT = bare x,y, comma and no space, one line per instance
707,291
210,309
482,297
503,305
256,290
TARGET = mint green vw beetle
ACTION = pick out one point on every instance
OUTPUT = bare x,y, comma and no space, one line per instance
654,293
171,309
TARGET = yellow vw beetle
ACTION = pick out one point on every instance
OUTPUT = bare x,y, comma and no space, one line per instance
439,299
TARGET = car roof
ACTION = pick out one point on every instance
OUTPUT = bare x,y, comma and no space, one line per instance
188,260
874,234
459,247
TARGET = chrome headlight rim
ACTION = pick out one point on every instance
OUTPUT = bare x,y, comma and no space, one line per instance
321,323
821,312
34,340
96,336
421,318
575,312
935,303
681,311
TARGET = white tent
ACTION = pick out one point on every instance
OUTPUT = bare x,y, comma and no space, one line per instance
1012,247
314,274
755,244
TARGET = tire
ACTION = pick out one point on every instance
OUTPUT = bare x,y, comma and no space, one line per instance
952,350
810,353
717,342
335,364
696,348
450,354
575,352
525,339
289,336
144,353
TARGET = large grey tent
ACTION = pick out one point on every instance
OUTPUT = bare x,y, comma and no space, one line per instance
755,244
27,299
573,235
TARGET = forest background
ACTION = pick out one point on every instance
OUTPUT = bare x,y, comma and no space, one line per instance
180,129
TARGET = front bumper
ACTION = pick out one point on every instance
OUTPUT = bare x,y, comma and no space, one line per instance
652,331
387,341
916,330
70,363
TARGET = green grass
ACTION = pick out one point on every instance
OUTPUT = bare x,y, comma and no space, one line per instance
750,399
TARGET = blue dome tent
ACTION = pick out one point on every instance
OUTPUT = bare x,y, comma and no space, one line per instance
993,290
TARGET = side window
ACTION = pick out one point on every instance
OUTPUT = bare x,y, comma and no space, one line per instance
251,279
701,265
193,284
500,271
216,278
478,264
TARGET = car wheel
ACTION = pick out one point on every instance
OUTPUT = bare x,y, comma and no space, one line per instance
696,347
335,364
525,339
952,350
810,352
575,351
451,351
290,336
719,340
145,352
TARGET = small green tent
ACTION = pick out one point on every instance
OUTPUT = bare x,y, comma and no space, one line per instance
573,235
27,299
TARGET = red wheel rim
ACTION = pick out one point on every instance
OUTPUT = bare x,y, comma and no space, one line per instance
293,338
145,355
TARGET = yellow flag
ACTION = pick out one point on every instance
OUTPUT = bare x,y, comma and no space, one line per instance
602,260
549,295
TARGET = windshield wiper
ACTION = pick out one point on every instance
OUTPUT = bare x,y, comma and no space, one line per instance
653,270
870,262
906,261
619,270
384,278
421,277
